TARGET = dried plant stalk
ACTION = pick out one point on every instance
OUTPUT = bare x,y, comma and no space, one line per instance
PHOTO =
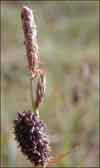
40,90
32,50
30,35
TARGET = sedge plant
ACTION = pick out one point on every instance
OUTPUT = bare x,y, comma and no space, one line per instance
30,131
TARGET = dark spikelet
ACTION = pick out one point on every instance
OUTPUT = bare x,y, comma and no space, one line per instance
31,135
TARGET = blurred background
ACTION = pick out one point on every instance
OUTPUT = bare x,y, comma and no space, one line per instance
68,37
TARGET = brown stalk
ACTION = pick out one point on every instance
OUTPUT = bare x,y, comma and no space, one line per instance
32,52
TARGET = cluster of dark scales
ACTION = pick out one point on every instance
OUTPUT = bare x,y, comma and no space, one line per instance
32,137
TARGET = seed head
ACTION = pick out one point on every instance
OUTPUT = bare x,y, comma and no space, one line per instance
31,135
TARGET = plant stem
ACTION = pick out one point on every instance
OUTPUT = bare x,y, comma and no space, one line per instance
34,108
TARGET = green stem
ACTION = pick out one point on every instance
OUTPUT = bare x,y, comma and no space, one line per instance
35,110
